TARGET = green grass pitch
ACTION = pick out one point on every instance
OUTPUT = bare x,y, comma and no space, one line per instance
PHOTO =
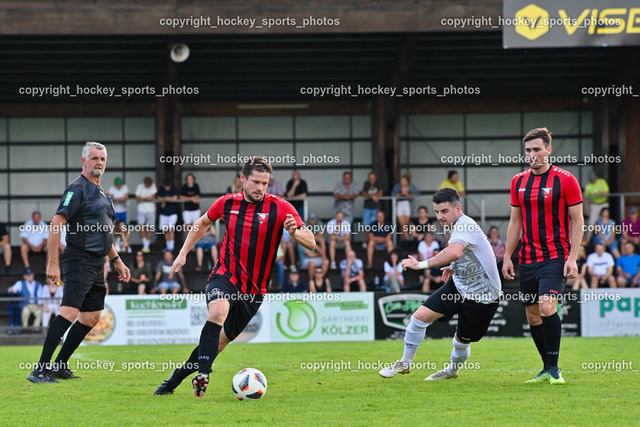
348,392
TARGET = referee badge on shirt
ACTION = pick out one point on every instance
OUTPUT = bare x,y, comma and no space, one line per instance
67,199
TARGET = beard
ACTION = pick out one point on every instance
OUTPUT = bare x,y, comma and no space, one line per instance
253,199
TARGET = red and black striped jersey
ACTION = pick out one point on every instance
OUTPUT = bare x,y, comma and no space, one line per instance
544,201
254,231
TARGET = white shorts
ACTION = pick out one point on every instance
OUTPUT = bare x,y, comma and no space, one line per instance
317,261
403,208
190,217
147,218
168,222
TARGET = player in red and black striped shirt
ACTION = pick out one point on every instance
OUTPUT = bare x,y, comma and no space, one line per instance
546,211
255,222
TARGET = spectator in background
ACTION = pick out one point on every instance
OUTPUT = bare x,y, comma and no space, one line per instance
296,192
141,276
316,226
5,247
371,191
294,283
28,287
498,244
208,242
190,192
352,270
432,278
168,213
163,283
405,192
34,236
345,192
631,227
393,277
596,197
289,246
605,232
275,187
236,185
453,181
119,194
428,247
628,267
145,196
580,281
310,260
421,226
280,265
121,234
50,307
600,267
320,283
339,235
379,237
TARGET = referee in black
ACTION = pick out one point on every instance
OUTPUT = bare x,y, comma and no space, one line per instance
89,214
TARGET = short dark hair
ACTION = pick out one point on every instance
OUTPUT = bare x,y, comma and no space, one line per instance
451,173
256,164
446,195
542,133
167,181
423,207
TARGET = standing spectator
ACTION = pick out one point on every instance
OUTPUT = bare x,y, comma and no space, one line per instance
5,247
28,287
345,192
145,195
168,213
379,235
121,234
236,185
140,275
190,192
296,192
294,283
631,227
312,259
628,267
453,181
371,191
50,307
320,283
316,226
596,197
432,278
421,226
208,241
34,237
352,270
405,192
580,281
163,283
119,193
605,232
600,266
275,187
428,247
498,244
339,235
393,277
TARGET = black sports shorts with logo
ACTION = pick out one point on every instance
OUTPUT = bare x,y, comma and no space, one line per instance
542,278
83,276
242,306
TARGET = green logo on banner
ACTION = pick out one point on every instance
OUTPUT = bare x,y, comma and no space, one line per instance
301,322
156,304
67,199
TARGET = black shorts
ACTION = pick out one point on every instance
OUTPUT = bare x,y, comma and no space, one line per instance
83,276
473,317
542,278
242,307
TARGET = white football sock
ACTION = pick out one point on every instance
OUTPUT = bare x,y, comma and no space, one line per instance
145,243
412,338
459,355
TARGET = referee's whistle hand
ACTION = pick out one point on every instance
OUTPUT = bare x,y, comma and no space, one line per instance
507,269
53,273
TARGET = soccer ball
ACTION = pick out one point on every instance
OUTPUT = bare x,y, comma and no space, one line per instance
249,384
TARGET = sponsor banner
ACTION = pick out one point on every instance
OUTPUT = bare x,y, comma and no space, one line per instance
344,317
610,312
565,23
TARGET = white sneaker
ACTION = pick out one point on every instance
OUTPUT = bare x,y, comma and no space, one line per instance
441,375
333,266
398,368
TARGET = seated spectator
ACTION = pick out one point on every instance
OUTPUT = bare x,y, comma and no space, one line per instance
600,267
28,287
317,226
631,227
34,236
453,181
393,277
432,277
498,245
605,233
294,283
352,270
121,234
405,192
280,265
141,276
236,185
371,191
339,235
275,187
168,213
427,247
207,242
50,307
190,192
5,248
289,246
310,260
379,237
628,267
421,226
145,195
320,283
163,283
119,194
296,192
345,192
580,281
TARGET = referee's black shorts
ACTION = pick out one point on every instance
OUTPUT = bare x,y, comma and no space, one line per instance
473,317
242,307
83,276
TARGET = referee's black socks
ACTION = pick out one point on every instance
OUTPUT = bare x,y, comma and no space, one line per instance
208,349
56,331
552,329
76,334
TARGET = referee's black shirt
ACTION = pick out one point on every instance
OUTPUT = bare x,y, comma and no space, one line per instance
90,215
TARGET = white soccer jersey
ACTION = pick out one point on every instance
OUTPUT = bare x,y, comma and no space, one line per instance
475,273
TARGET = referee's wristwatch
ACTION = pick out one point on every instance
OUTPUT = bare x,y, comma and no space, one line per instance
115,259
